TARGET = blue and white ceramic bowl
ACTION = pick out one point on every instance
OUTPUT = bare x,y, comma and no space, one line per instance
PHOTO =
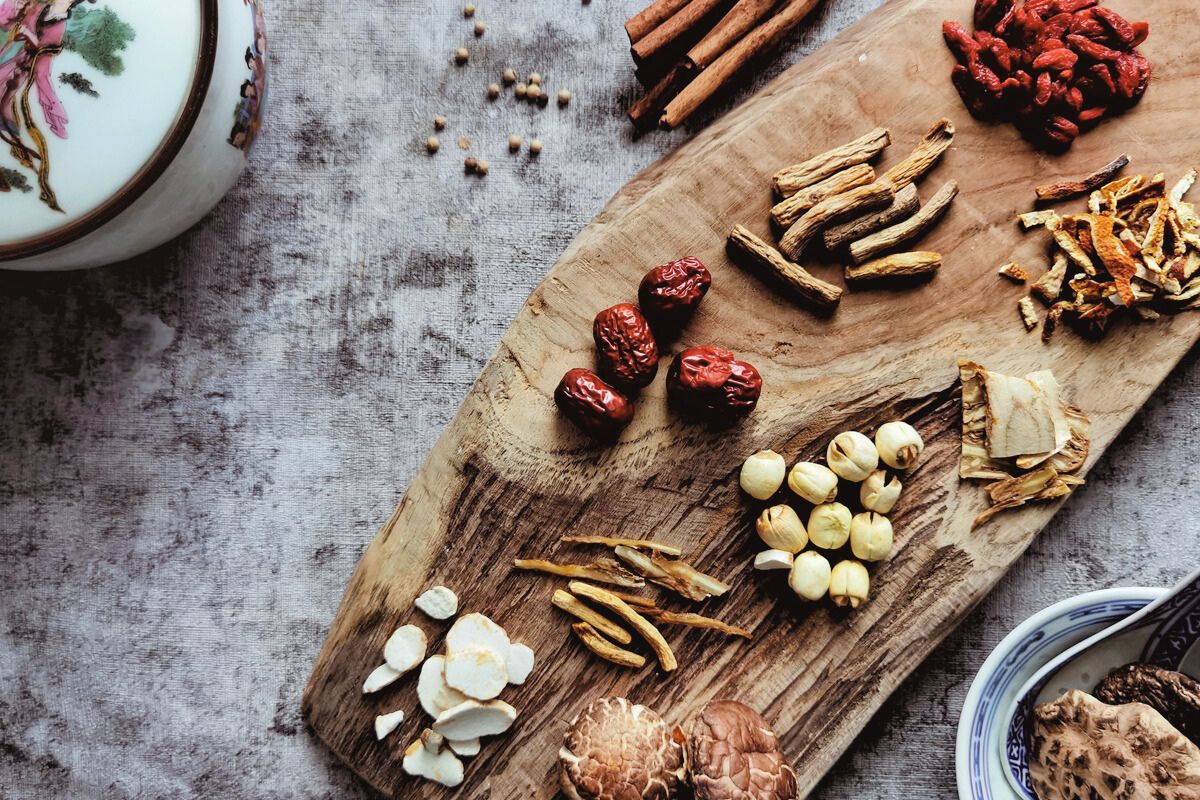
982,726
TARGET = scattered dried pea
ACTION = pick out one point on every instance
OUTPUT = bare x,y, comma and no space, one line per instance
439,122
564,96
533,92
535,147
432,144
521,90
470,164
493,91
535,78
461,56
469,10
481,167
480,28
514,143
509,76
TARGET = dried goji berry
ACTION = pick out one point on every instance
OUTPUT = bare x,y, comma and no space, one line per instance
1140,31
1086,47
1116,23
1056,27
1102,72
1072,6
958,40
983,76
990,12
1092,114
1058,58
1044,87
1074,98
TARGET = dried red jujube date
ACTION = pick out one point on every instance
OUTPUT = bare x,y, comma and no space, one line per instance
669,294
711,383
596,407
625,346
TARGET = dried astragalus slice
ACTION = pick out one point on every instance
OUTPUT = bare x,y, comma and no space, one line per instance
1021,419
1041,484
602,570
696,621
678,576
610,541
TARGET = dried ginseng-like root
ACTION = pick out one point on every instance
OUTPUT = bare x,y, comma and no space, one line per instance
571,604
905,205
897,266
678,576
747,247
640,624
788,210
602,570
609,541
833,209
936,142
1064,191
606,649
912,228
696,621
790,180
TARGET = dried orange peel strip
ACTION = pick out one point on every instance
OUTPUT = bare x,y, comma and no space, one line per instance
641,625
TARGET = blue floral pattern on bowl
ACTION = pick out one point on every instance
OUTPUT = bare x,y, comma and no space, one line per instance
1034,643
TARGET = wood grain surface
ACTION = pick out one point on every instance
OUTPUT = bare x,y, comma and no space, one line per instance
509,476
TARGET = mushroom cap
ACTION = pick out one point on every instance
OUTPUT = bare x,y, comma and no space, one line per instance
616,750
735,755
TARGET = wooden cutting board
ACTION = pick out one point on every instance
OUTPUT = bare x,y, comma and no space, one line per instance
509,476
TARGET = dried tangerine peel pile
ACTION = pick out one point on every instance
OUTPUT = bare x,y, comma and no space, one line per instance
1054,68
1020,434
1135,252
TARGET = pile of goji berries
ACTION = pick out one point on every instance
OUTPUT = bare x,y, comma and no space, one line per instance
1053,67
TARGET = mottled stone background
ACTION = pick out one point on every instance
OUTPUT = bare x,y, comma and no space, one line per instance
198,445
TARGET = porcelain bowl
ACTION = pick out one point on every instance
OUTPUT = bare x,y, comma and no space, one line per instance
122,122
982,726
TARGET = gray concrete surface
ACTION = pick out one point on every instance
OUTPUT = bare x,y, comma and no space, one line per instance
198,445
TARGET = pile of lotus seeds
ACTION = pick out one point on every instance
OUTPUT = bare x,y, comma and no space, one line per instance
850,457
531,91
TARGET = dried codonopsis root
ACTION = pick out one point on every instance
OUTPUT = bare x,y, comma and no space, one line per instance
593,641
1064,191
936,142
678,576
609,541
602,570
896,266
790,180
908,230
788,210
757,252
696,621
833,209
575,607
1042,484
905,205
640,624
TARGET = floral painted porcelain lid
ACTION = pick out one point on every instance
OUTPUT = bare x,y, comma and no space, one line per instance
90,92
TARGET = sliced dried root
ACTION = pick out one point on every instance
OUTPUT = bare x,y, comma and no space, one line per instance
762,256
565,601
678,576
602,570
833,209
696,621
910,229
1064,191
1042,484
641,625
905,205
602,647
609,541
896,266
790,180
788,210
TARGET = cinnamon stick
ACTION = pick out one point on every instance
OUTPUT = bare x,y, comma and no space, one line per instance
651,17
753,250
764,37
681,22
740,20
645,112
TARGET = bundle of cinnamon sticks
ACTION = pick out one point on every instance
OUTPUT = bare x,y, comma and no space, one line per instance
688,50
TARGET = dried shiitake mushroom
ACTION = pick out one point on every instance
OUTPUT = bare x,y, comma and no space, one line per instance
734,755
616,750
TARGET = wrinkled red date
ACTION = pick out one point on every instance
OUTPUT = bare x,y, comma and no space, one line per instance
596,407
625,346
669,294
710,383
